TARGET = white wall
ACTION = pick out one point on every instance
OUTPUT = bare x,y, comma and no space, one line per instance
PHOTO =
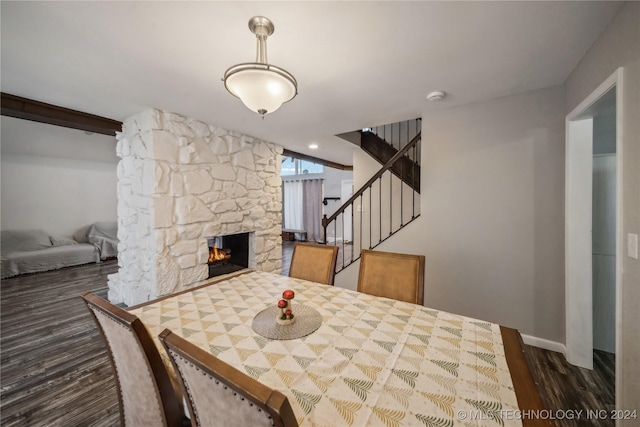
493,190
333,187
491,225
619,46
604,131
57,179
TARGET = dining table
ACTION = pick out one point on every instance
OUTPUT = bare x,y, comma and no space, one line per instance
365,361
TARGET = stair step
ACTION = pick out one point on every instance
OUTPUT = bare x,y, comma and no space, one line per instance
405,169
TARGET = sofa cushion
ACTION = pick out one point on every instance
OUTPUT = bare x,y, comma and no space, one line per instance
62,241
23,240
50,258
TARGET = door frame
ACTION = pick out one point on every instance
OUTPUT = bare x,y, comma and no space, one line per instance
578,263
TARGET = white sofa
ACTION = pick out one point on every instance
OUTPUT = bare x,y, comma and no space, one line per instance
105,236
31,251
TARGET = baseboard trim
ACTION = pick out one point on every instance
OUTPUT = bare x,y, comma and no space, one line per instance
546,344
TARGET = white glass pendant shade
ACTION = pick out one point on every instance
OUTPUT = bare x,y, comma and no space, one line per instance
261,87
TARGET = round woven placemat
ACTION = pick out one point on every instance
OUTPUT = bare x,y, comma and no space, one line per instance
307,320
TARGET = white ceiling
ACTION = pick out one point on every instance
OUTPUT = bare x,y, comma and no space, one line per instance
358,64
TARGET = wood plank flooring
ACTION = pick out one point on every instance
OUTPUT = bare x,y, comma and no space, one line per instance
564,386
55,370
54,367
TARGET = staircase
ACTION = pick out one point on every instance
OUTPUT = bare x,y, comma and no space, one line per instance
406,169
381,207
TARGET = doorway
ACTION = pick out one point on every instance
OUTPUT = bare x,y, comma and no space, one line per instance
586,232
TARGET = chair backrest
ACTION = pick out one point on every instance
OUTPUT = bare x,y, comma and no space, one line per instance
392,275
313,262
145,391
219,394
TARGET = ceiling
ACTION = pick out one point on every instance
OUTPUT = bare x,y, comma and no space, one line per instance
358,64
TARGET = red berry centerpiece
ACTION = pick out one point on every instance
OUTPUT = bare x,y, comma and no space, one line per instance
285,316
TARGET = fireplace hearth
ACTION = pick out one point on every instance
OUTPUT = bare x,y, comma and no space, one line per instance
228,253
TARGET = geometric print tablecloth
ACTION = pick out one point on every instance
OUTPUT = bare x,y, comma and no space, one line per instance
373,361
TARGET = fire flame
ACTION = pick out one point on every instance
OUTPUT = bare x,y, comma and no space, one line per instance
216,255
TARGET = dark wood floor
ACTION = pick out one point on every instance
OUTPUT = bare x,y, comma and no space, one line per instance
54,368
55,372
564,386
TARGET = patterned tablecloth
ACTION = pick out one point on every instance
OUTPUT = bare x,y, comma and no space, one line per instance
373,361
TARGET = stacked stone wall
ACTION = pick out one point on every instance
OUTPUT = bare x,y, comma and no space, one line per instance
181,181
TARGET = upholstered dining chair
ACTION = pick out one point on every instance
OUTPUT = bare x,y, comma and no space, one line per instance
219,394
146,393
313,262
392,275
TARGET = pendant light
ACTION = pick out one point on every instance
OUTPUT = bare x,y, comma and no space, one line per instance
263,88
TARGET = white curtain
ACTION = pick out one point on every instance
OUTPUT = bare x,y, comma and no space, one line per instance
292,205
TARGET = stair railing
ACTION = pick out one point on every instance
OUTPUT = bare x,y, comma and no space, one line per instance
397,135
379,209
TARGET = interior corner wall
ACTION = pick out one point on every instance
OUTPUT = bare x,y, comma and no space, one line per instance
619,46
493,208
56,179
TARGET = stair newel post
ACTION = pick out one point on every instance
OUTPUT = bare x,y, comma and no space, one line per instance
324,228
370,216
380,208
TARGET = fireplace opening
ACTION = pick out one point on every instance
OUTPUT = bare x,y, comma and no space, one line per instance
219,255
228,253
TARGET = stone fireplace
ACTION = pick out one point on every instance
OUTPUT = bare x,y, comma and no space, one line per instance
182,182
229,253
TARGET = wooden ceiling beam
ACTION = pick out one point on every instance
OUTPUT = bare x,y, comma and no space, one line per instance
289,153
28,109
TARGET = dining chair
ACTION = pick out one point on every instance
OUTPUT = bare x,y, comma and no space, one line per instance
146,393
219,394
392,275
314,262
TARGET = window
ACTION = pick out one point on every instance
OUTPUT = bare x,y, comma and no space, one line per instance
291,166
288,166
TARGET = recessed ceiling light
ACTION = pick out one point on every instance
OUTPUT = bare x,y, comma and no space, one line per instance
436,96
313,146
